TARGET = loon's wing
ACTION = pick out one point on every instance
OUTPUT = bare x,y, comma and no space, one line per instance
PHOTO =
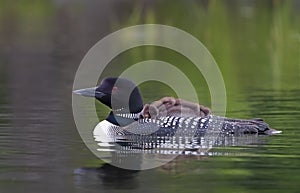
169,106
248,126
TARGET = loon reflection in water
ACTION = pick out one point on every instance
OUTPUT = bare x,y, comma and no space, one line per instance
169,119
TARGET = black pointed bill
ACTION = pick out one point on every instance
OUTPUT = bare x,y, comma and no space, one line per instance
89,92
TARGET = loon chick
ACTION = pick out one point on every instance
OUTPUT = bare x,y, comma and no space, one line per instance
124,99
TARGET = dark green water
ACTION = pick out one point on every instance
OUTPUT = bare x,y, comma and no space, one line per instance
255,43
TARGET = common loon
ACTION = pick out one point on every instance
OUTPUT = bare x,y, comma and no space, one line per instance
166,117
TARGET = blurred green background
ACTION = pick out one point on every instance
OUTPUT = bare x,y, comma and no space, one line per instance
256,44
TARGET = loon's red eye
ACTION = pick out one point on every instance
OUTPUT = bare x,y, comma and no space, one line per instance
115,90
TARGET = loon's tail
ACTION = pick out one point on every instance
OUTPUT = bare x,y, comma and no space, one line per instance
248,126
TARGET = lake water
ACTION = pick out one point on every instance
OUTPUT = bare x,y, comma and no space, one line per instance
256,45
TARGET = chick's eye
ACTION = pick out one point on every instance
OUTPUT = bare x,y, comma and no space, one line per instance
115,90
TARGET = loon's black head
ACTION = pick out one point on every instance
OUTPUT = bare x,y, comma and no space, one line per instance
119,94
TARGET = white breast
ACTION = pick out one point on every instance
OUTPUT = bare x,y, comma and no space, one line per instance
104,131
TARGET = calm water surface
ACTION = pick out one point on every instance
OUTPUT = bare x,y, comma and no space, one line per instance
255,43
41,151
